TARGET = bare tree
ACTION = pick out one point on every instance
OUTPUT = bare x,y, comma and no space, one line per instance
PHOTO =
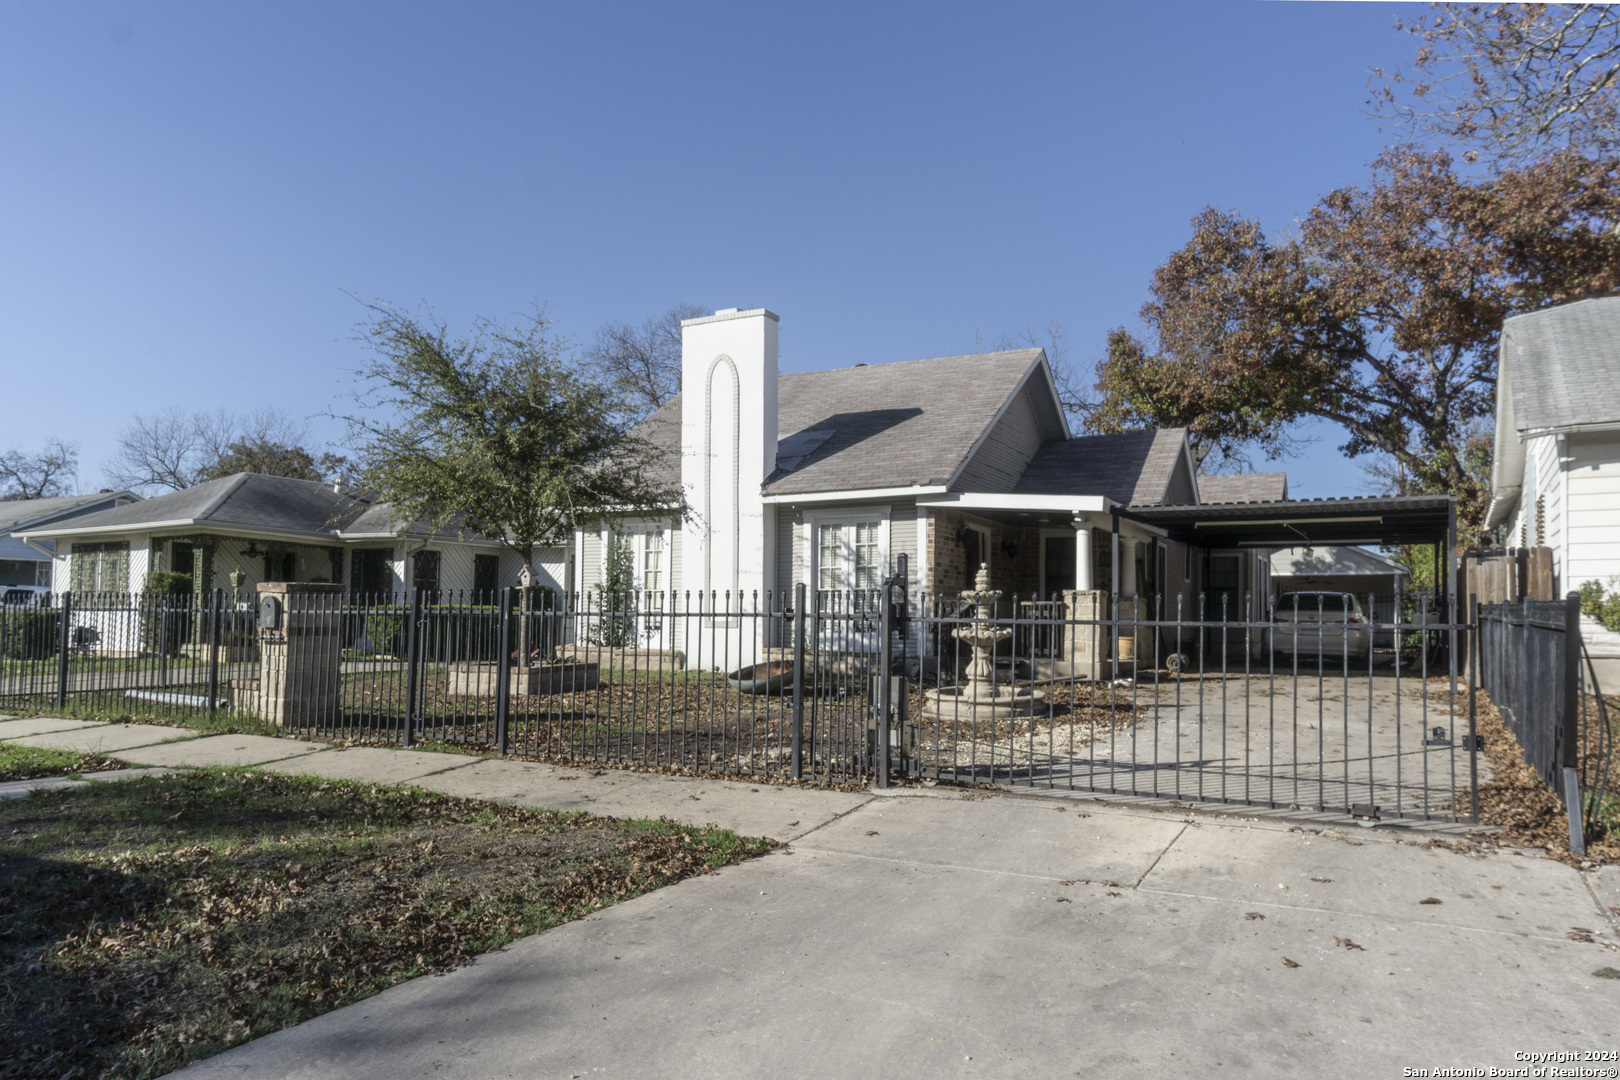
173,449
1511,81
642,362
51,472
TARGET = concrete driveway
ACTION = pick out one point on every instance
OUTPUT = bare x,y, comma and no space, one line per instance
966,935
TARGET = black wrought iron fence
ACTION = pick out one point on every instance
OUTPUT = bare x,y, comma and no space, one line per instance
1535,668
114,654
763,684
1220,698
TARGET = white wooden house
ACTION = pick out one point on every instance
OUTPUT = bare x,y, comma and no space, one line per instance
1555,477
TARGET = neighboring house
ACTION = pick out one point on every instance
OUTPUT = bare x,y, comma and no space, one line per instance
1313,568
1334,568
1555,473
1243,488
826,478
272,528
22,563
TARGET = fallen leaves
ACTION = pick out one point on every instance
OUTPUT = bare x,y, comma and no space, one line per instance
1251,916
1289,963
1519,803
1346,943
1430,900
137,958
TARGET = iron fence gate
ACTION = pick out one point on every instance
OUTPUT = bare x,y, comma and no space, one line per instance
1326,709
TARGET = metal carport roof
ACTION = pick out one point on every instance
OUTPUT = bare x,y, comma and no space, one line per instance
1395,519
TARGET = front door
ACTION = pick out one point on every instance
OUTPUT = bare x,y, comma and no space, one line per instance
1225,600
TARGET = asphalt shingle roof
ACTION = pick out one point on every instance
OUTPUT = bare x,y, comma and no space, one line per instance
1243,488
16,512
245,500
1563,364
891,425
1134,467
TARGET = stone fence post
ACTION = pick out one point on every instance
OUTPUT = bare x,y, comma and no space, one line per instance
299,659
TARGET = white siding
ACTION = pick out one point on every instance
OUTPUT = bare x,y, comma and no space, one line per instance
140,561
1006,451
1592,479
903,534
676,583
789,549
550,567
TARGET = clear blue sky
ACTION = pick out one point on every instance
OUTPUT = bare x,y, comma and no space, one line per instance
191,191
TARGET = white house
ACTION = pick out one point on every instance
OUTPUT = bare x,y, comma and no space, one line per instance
272,528
1555,475
825,478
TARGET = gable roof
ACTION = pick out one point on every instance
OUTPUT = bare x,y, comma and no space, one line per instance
1332,560
1134,467
19,513
912,423
1563,365
1243,488
244,501
1558,370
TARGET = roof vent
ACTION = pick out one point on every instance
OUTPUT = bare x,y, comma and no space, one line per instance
728,311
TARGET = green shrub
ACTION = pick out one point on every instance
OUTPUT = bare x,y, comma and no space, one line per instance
386,632
1604,609
166,616
29,635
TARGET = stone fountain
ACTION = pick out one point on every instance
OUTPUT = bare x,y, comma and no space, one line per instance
986,695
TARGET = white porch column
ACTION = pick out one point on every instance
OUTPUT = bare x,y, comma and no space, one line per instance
1082,554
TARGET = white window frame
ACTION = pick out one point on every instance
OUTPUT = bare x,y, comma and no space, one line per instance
636,533
844,516
837,634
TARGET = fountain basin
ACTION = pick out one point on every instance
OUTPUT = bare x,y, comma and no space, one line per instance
972,703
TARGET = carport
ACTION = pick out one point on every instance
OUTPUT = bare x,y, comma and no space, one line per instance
1383,520
1239,704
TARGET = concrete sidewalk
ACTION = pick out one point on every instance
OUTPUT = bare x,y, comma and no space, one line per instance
949,933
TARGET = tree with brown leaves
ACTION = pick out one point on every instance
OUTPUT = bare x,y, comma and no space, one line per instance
1512,82
1382,314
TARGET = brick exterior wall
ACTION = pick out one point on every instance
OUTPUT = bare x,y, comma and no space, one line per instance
948,571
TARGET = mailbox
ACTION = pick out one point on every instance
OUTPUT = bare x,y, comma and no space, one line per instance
269,613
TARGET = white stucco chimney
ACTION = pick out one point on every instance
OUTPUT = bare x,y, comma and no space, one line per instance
728,448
